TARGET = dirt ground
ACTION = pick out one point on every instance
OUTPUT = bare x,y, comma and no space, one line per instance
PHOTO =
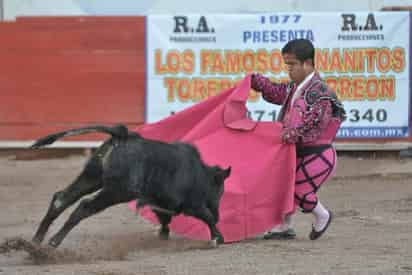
371,197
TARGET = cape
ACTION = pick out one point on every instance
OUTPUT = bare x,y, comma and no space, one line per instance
260,189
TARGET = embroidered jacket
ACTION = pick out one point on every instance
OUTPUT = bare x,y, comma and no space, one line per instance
315,115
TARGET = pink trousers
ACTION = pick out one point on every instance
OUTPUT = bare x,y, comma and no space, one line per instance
311,172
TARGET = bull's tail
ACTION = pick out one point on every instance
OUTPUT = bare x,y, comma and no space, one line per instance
119,131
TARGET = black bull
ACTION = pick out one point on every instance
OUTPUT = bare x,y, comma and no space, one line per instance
170,177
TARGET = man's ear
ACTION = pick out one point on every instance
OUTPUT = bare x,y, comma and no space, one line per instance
308,63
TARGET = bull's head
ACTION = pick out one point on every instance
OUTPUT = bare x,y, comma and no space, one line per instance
217,189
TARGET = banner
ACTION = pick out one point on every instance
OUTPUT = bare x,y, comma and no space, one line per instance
363,56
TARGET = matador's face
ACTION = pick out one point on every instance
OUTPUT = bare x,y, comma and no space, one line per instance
297,69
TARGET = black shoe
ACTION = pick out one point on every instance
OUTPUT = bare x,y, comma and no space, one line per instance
283,235
316,234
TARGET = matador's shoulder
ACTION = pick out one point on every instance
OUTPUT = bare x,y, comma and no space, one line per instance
316,91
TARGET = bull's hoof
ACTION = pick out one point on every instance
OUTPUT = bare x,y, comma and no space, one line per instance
163,235
215,242
220,239
36,240
54,243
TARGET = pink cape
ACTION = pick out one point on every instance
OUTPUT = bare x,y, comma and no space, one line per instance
259,191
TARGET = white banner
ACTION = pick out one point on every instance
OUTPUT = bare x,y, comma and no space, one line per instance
363,56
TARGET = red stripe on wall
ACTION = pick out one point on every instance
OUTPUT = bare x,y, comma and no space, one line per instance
63,72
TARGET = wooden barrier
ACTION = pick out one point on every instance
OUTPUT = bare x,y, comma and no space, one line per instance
63,72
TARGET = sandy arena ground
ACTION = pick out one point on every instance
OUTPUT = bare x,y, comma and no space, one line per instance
371,234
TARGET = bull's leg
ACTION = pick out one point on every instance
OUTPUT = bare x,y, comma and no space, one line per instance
88,207
206,216
164,220
84,184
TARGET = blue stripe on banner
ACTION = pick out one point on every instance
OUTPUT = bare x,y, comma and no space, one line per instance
373,132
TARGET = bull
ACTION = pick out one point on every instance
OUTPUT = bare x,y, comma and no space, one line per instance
171,178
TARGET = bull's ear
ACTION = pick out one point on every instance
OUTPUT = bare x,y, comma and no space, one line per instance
221,174
226,172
